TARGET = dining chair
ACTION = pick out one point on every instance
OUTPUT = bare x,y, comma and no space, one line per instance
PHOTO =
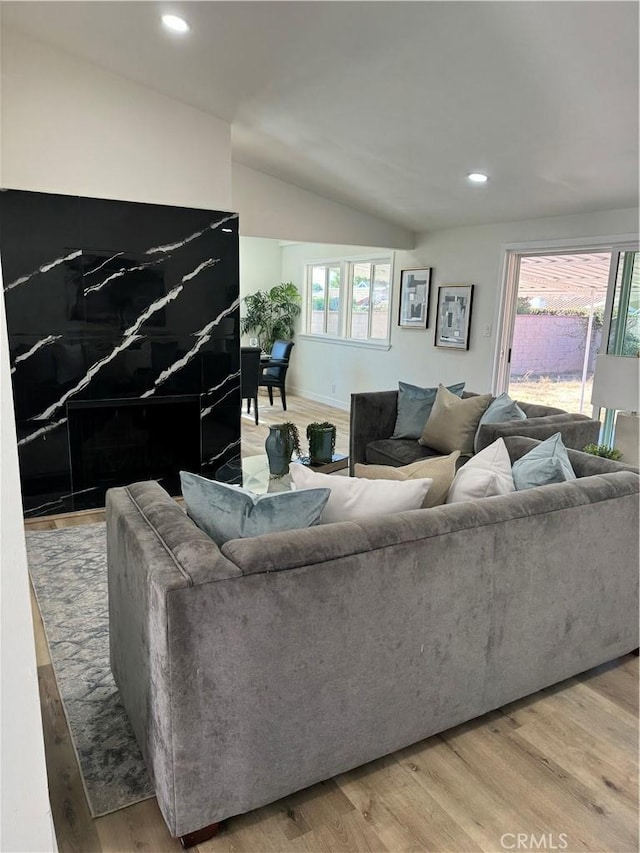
274,370
249,376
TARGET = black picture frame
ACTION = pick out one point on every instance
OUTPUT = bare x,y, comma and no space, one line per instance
415,291
453,322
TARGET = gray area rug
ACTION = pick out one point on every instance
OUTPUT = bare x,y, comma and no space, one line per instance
68,568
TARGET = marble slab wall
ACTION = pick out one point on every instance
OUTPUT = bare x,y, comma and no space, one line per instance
120,316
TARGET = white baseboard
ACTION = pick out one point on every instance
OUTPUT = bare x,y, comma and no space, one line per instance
319,398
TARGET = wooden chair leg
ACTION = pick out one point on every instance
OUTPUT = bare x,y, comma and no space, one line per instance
270,393
255,406
199,836
283,397
249,405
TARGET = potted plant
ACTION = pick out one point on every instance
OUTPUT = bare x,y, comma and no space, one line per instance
282,442
322,442
603,450
271,314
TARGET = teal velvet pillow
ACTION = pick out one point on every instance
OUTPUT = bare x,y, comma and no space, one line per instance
414,408
503,408
228,512
546,463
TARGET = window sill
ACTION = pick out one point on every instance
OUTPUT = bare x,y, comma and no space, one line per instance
347,342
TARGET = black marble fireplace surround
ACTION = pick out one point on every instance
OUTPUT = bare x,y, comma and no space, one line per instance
123,323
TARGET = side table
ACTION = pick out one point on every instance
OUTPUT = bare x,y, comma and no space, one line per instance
338,462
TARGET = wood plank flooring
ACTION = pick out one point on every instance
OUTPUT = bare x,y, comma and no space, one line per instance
560,767
300,412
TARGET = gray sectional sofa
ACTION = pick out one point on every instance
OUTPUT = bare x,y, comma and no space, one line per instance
262,667
373,417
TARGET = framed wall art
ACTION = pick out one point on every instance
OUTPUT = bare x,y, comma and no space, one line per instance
454,316
414,298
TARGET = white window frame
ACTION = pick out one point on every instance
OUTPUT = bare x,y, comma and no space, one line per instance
346,265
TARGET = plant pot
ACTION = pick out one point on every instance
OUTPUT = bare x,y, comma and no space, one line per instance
321,442
279,449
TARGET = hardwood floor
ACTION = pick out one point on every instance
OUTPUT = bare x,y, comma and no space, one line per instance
300,412
560,767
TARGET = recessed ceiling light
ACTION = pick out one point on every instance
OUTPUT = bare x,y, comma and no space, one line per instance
173,22
478,178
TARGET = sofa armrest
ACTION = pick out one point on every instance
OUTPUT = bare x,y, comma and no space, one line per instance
583,464
373,416
576,430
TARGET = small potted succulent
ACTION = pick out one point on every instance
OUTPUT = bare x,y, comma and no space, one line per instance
603,450
282,442
322,442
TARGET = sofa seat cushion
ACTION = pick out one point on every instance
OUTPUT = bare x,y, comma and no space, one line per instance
397,451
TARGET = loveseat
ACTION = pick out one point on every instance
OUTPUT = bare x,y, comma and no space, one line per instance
267,665
373,417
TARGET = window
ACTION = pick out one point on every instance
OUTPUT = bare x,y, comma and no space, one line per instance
325,299
624,329
349,299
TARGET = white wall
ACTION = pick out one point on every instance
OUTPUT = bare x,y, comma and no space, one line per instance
71,127
25,814
260,267
472,255
269,207
260,264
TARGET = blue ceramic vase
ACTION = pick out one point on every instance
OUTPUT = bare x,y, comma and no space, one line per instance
279,450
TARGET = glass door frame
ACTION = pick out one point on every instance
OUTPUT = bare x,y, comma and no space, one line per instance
607,430
506,305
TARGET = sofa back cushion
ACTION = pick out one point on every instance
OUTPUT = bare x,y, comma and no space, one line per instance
453,422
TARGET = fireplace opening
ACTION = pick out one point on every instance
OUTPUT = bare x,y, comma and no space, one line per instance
118,442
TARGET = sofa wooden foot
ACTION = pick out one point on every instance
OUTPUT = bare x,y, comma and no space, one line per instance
636,652
200,835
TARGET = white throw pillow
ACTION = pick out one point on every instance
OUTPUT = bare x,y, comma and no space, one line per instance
486,474
442,469
353,498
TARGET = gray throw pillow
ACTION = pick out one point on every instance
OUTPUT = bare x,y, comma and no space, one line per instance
228,512
414,408
546,463
503,408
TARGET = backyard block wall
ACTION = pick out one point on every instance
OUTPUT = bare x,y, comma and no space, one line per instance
548,345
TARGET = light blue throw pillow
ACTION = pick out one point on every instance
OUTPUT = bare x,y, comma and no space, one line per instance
228,512
503,408
546,463
414,408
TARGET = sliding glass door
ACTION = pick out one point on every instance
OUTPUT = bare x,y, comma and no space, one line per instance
569,329
617,376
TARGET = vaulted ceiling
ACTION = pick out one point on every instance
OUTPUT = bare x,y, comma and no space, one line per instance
386,106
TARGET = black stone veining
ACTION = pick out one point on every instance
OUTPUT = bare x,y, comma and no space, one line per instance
123,323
